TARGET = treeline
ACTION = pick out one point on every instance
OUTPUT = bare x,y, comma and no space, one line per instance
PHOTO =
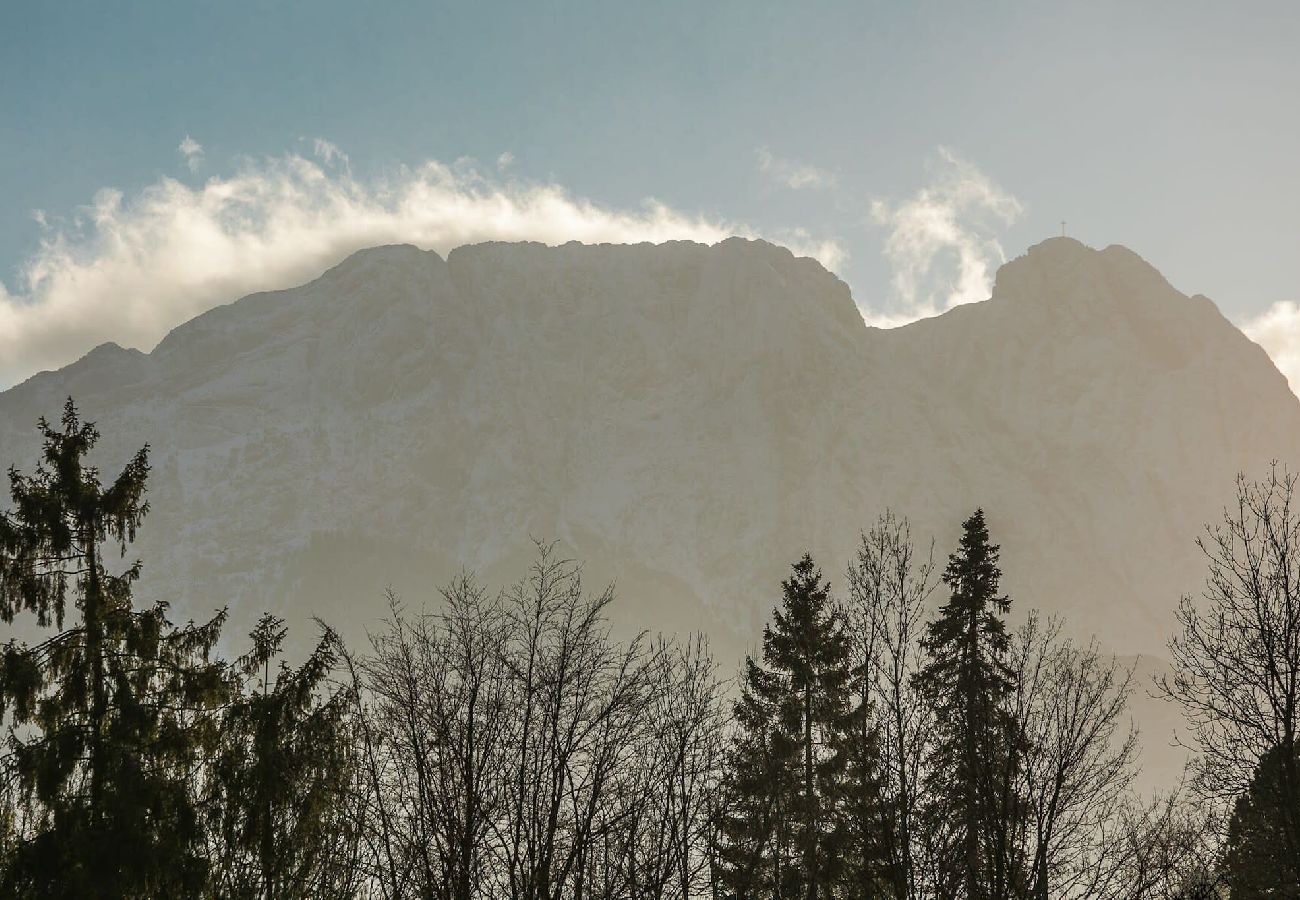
898,740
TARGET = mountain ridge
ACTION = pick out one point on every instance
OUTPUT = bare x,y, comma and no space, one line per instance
687,418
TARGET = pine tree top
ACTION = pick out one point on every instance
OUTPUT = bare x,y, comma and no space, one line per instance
972,571
968,639
61,514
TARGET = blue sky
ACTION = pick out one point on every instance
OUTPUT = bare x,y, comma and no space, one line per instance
1173,128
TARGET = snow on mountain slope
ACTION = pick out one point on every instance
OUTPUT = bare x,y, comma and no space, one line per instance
687,419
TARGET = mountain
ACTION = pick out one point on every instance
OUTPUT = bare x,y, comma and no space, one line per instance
687,419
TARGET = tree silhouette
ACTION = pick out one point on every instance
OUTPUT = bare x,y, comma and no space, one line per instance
1236,655
967,681
784,829
890,582
109,716
278,824
1257,864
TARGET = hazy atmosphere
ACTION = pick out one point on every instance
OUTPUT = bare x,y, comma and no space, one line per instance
611,451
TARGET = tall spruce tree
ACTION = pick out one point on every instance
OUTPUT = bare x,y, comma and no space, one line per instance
109,715
967,681
782,832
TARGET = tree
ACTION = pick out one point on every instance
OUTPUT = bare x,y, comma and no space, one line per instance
1077,760
578,699
890,583
665,842
1167,851
1255,863
866,818
111,716
470,725
434,726
783,831
967,681
752,833
506,742
279,778
1236,657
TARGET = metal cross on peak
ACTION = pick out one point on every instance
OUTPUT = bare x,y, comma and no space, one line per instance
1062,228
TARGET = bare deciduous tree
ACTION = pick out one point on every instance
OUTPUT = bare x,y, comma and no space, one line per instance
890,582
511,747
1078,759
1167,851
666,841
1237,653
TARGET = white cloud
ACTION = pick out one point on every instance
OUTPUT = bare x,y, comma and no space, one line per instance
792,174
505,160
192,150
942,242
129,269
329,153
1277,330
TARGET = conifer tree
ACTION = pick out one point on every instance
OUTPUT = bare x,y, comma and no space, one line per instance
782,832
967,681
279,780
1257,862
110,714
866,816
752,829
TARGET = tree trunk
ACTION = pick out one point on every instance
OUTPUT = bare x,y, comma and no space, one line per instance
810,823
94,619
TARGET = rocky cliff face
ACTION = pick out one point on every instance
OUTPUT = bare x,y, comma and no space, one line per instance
687,419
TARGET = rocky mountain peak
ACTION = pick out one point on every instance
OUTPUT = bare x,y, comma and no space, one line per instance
1062,270
686,418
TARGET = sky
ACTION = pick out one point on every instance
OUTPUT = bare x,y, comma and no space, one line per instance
159,158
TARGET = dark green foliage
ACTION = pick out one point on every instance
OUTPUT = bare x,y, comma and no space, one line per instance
109,716
280,778
1257,863
792,775
967,682
752,825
